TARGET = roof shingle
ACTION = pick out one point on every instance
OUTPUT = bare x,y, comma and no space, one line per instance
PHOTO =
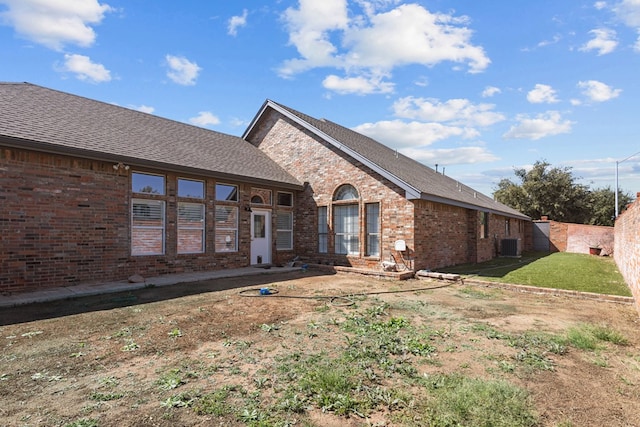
432,185
32,116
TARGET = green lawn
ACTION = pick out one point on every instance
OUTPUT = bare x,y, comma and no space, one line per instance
560,270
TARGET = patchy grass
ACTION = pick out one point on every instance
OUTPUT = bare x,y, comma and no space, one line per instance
410,359
559,270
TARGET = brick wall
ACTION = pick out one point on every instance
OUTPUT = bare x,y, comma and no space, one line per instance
65,221
324,169
436,235
627,247
60,218
578,238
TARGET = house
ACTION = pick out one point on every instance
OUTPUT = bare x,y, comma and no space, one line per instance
361,197
91,191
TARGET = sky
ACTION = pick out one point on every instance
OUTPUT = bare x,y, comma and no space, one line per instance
473,89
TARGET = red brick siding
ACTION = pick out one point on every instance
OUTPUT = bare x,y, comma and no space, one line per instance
65,221
325,169
442,235
627,248
436,235
60,218
577,238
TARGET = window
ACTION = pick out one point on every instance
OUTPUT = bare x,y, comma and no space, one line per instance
284,231
226,193
346,192
507,227
484,225
257,200
373,229
190,228
285,199
147,227
346,229
259,226
190,188
226,228
323,230
346,221
146,183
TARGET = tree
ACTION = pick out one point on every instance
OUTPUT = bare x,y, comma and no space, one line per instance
553,192
602,203
545,191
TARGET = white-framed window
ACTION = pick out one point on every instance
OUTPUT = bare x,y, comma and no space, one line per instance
147,183
226,193
226,228
507,227
372,212
346,225
284,230
190,228
323,230
190,188
147,227
347,230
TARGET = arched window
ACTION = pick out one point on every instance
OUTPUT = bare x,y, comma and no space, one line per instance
257,200
346,222
346,192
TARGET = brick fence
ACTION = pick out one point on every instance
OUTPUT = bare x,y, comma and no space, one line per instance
579,238
627,247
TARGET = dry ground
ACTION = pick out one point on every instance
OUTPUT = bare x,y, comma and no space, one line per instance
148,358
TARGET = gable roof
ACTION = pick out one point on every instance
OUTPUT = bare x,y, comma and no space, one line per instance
34,117
418,180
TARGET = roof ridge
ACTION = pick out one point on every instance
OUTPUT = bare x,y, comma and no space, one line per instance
429,183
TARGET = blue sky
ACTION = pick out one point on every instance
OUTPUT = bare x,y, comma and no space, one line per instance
477,90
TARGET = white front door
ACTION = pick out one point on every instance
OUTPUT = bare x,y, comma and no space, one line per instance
260,237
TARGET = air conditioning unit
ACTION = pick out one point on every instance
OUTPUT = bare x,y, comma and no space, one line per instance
509,247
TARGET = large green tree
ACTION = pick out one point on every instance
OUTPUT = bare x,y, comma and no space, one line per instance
603,202
554,192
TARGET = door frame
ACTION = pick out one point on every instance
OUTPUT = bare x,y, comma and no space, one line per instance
261,250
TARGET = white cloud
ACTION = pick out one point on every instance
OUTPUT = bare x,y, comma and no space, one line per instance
397,133
328,34
309,29
236,22
460,112
357,85
182,71
410,34
54,23
144,108
450,156
204,118
543,125
542,94
599,5
604,41
597,91
629,12
490,91
86,70
556,38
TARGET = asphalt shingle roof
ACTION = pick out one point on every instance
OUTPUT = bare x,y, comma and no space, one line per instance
431,184
35,117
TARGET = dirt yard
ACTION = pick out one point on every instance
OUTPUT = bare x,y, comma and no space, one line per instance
219,353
